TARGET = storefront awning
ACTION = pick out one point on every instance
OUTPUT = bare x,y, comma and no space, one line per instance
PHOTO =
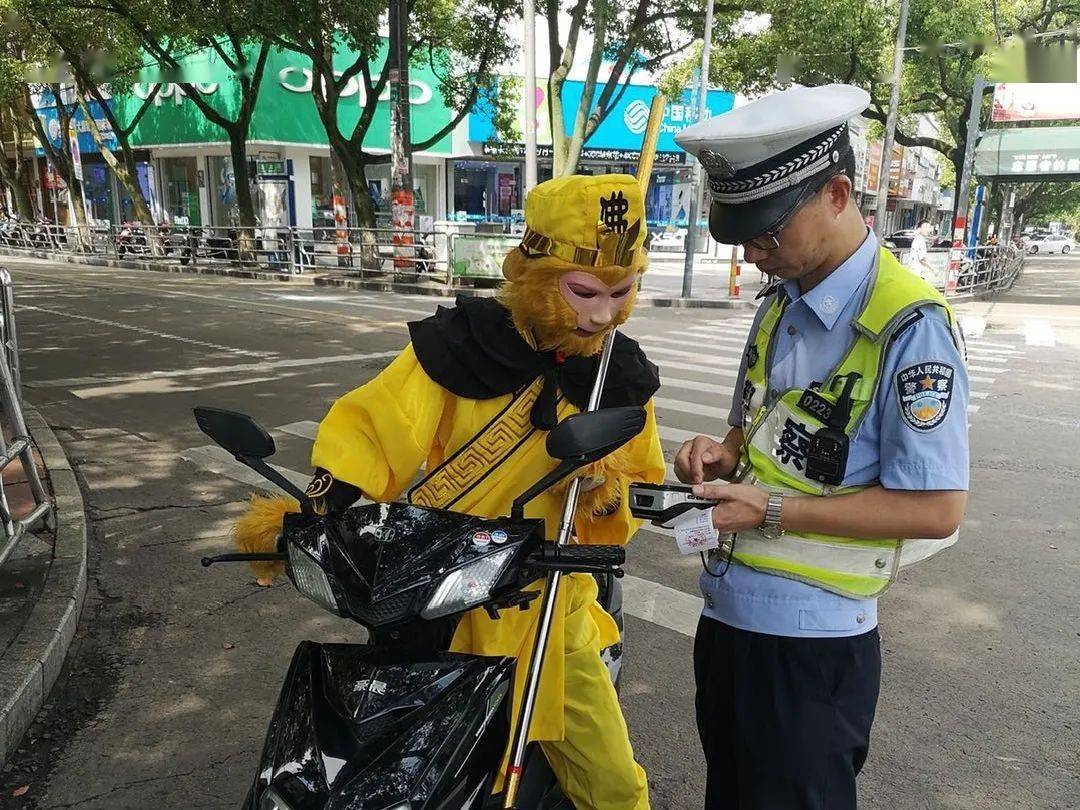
1029,154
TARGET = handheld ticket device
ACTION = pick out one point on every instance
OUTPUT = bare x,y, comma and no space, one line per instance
662,504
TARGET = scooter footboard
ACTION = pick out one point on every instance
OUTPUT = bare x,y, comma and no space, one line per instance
363,727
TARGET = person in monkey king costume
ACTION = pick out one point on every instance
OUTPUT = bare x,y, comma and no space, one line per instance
472,398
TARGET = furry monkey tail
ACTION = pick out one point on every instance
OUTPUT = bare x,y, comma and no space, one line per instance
257,531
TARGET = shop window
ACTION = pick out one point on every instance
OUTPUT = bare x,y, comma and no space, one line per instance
322,192
180,190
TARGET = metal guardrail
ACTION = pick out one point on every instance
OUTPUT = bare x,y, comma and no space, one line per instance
970,270
356,251
20,446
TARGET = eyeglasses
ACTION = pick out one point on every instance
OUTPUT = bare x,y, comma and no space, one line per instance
770,240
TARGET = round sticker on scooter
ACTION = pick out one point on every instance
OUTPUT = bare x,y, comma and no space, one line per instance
481,539
498,537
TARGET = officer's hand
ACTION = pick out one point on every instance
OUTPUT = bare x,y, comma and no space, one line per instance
704,459
741,506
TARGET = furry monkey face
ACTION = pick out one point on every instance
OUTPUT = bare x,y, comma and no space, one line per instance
567,307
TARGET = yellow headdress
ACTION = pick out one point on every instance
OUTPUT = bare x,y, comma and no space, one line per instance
596,224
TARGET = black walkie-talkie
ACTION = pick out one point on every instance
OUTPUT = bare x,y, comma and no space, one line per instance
826,459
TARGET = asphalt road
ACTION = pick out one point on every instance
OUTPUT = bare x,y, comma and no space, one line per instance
175,670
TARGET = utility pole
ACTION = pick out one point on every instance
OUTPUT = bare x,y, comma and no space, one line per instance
964,180
402,210
530,95
697,174
890,123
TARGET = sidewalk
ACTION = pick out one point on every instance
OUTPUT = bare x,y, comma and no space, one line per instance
42,586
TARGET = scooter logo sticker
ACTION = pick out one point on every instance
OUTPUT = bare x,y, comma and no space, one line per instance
925,393
481,539
498,537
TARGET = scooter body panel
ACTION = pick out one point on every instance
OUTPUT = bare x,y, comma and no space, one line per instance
358,728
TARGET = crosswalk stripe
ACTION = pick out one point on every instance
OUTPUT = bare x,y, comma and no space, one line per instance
1038,332
987,369
712,369
305,430
217,460
977,349
972,408
706,358
739,342
989,358
977,379
979,394
694,385
681,406
676,435
661,605
992,344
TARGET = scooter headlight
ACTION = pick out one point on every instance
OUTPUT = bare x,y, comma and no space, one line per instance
311,580
270,800
467,586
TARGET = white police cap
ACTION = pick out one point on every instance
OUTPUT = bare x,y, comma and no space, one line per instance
764,158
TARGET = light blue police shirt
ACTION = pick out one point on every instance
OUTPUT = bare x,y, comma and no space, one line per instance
892,446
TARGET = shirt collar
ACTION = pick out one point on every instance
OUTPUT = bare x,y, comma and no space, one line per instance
828,299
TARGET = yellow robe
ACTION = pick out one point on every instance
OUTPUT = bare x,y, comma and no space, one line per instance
377,437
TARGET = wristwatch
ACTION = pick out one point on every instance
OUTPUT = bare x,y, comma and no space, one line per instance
770,526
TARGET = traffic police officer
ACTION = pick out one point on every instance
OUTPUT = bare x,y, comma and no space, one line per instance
848,449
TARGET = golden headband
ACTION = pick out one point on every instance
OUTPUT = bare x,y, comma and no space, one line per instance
613,247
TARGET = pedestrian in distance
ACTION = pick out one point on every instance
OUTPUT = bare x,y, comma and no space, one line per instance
846,453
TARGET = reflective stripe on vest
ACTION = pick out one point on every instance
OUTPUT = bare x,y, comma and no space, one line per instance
779,425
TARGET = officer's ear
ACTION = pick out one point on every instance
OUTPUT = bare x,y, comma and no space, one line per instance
837,193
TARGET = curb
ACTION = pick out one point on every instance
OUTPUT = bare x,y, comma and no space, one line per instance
30,666
368,284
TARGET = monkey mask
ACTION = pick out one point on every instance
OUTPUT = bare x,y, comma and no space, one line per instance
574,276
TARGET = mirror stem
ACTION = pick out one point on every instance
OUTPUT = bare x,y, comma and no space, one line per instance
266,471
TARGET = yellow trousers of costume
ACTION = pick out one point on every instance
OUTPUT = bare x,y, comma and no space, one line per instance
593,762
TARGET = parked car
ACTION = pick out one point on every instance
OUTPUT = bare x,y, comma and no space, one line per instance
903,239
1049,243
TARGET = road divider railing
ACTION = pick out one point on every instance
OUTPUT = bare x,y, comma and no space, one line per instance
15,442
967,271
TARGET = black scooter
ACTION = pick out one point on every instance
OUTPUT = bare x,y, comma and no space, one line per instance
398,723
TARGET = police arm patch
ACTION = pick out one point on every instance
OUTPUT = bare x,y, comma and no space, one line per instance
925,394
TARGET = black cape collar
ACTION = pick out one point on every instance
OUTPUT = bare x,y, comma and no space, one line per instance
474,351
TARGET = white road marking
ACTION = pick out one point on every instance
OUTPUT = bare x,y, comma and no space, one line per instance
704,368
972,408
976,379
987,369
979,394
1038,332
661,605
217,460
1010,346
693,385
206,370
734,342
989,358
305,430
693,408
144,331
704,357
676,435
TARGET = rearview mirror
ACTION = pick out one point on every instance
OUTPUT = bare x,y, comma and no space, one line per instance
586,437
582,439
236,432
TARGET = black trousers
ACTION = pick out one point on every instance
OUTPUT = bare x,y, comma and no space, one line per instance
784,722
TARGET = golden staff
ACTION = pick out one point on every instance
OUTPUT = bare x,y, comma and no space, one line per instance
648,145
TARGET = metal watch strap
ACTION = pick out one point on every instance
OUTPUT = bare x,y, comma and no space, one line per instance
771,525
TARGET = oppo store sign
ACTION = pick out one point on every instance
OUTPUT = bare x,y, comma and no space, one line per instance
293,79
299,80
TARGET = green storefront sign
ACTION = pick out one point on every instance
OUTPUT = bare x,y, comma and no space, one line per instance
285,111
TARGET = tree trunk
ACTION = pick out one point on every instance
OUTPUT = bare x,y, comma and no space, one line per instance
356,173
245,234
577,137
123,170
21,187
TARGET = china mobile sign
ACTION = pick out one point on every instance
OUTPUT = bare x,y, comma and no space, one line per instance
293,79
